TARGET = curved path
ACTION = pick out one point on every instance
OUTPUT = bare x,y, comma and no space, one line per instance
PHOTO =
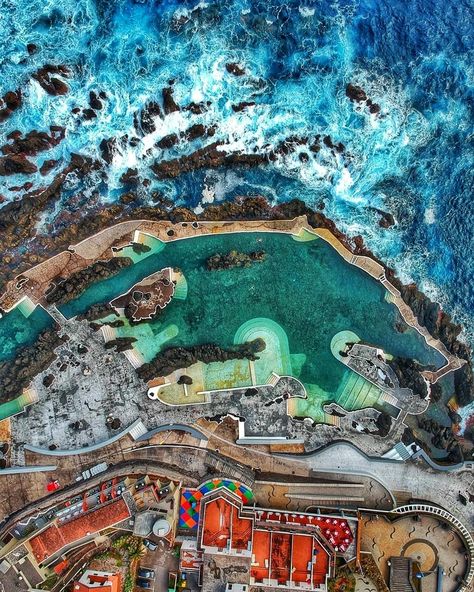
459,526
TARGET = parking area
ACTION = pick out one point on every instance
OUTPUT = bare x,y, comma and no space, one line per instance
160,563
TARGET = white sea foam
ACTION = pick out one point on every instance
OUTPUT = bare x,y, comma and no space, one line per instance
306,12
430,216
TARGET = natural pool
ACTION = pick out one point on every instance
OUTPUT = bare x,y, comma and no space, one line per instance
305,287
20,328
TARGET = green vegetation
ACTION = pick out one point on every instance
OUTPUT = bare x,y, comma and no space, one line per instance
344,581
49,582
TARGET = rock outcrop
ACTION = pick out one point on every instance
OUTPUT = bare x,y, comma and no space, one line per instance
15,164
10,102
16,374
175,358
70,288
358,95
211,156
409,375
234,259
33,142
47,79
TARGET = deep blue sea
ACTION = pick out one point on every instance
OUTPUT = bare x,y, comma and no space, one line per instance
413,57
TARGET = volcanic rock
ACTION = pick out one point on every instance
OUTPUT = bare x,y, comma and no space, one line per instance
207,157
168,141
234,69
144,121
174,358
169,104
130,177
9,103
48,165
94,101
34,142
52,85
242,105
16,163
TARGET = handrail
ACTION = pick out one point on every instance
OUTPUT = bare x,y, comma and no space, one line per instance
466,535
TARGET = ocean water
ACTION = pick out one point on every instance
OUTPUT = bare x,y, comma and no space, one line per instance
415,59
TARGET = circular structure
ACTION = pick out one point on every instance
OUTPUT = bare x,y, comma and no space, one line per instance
423,552
161,527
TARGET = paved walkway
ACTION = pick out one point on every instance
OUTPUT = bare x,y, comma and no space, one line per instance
412,479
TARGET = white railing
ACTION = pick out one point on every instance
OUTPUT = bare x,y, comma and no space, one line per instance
466,535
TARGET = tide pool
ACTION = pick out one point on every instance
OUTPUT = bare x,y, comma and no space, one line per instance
306,288
18,330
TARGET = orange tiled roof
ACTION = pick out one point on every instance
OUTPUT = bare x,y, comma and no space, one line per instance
56,537
114,580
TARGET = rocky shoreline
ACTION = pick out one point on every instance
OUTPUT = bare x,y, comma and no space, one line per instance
16,374
428,313
69,288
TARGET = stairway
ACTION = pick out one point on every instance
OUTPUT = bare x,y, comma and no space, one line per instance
400,575
138,429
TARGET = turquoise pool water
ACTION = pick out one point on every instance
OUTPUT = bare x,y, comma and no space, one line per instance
306,287
18,331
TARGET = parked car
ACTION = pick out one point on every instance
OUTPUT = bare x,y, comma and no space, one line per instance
144,583
146,573
150,545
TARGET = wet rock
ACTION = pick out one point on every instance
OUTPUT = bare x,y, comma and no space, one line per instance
234,259
184,379
358,95
144,121
10,102
234,69
197,108
25,187
94,101
128,198
242,105
52,85
97,311
108,148
14,164
169,104
409,375
34,142
355,93
373,107
31,48
88,114
130,177
168,141
140,248
48,380
17,373
48,165
68,289
208,157
386,219
120,344
464,385
327,141
288,146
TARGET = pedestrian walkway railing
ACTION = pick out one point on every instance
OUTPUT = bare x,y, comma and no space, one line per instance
462,530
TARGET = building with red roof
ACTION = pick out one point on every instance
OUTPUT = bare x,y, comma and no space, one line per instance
282,549
54,538
98,581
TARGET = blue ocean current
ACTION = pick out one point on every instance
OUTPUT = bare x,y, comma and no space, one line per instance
413,58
